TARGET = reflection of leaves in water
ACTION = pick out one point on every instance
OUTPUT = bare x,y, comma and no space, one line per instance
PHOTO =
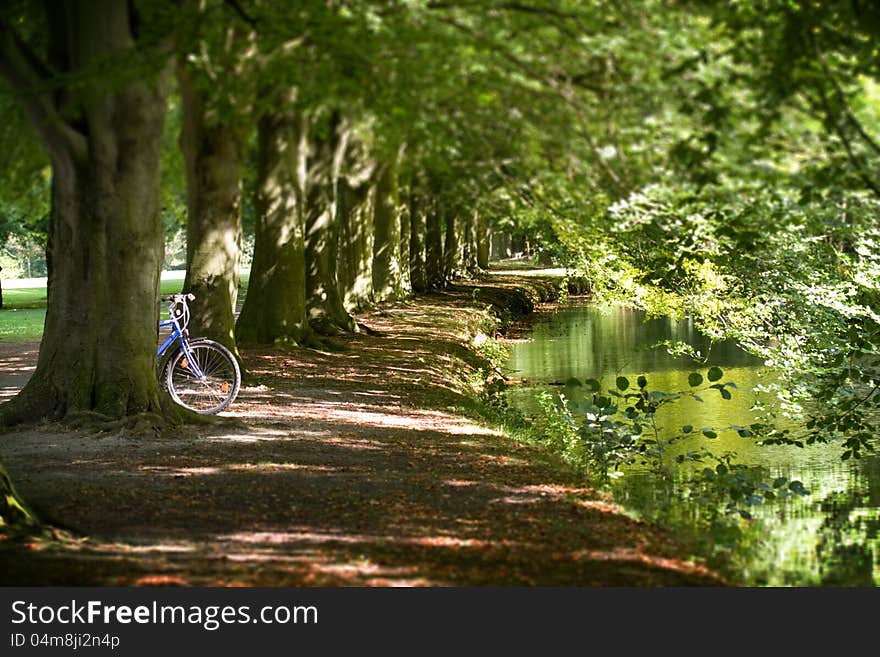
843,550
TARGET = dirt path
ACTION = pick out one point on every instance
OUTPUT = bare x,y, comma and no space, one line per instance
356,467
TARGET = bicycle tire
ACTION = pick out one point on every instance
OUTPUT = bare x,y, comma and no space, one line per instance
222,377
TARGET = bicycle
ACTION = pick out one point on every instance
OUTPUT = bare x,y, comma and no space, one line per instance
201,375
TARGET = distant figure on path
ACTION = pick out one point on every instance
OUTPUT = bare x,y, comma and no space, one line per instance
1,290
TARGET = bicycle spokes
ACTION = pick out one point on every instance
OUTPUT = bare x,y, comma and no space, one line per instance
206,381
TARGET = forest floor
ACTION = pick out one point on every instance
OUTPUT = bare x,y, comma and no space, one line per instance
367,464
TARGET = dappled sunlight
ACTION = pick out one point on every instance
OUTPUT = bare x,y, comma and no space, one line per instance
304,535
634,555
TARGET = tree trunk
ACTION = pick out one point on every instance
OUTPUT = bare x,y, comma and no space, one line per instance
387,283
434,245
355,213
469,245
105,242
451,247
403,252
275,305
484,238
325,309
213,152
417,272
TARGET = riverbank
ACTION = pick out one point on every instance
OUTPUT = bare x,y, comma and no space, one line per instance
365,465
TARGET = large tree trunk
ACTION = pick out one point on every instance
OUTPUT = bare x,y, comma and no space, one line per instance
355,215
105,242
325,309
275,305
213,152
417,272
387,281
434,245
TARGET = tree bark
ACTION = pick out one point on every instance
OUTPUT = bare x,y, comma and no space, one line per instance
405,237
469,245
275,305
484,239
355,214
213,151
451,247
325,310
434,245
417,272
387,281
105,242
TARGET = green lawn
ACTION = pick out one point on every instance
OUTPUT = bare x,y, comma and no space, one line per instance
24,308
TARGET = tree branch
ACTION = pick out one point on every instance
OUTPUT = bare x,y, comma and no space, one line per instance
31,81
239,10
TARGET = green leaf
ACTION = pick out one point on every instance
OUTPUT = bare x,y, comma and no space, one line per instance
709,433
695,379
744,433
642,381
622,383
779,482
592,385
574,382
714,373
721,469
687,428
725,394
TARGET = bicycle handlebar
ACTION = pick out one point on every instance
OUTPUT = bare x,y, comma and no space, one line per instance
177,297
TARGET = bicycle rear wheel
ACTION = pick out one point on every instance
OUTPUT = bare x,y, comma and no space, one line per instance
218,386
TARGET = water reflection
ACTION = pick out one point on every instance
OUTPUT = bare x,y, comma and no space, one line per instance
831,537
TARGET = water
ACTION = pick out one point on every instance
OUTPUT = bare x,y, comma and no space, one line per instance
831,536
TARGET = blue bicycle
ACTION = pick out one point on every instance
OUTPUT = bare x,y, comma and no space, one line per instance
199,374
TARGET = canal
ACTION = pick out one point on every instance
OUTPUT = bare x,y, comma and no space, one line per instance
830,536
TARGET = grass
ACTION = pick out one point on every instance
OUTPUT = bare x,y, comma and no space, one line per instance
24,308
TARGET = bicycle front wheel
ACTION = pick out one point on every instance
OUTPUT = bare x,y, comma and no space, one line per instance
218,384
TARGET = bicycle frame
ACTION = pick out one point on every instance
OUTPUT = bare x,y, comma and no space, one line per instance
178,333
